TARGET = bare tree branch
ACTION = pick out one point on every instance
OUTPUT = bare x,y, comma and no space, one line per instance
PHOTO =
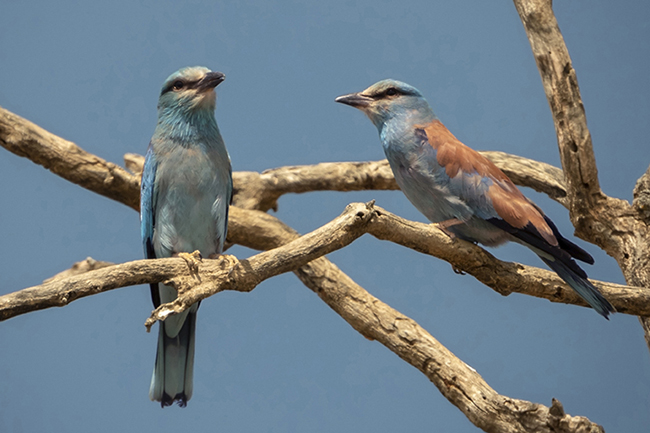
89,264
258,230
596,217
66,159
59,292
641,200
215,276
261,191
241,276
253,190
618,228
561,87
503,277
458,382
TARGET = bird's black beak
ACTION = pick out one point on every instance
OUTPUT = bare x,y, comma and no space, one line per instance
210,81
357,100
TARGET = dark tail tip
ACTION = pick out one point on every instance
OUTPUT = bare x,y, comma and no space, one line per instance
167,400
583,287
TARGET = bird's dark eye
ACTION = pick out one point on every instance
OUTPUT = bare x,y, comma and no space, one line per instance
391,91
178,85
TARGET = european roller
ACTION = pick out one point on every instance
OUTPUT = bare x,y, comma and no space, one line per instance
462,191
185,193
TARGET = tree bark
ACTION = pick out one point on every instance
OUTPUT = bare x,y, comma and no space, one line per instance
617,227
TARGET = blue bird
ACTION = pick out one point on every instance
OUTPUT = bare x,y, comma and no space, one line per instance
462,191
185,193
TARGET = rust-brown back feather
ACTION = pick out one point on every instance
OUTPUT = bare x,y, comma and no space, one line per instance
508,202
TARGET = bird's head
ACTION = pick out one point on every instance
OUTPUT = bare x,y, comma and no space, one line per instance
387,99
189,90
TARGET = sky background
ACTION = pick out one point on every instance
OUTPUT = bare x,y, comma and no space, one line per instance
278,359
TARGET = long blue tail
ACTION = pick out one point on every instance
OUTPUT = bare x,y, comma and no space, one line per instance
174,368
581,285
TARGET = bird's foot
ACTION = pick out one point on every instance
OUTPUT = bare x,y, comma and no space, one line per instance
225,260
457,271
192,260
444,226
229,262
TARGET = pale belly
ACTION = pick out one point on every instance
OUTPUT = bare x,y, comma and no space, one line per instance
192,205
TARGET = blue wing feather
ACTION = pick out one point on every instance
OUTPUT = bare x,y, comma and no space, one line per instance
147,203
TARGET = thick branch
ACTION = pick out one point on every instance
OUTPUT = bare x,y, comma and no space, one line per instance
641,200
261,191
252,190
597,218
66,159
503,277
214,276
89,264
459,383
612,224
561,87
258,230
58,292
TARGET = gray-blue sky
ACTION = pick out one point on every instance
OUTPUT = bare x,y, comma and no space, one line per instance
278,359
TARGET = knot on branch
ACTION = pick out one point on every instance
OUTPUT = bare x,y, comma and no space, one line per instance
641,200
108,180
406,330
559,421
556,410
364,211
134,163
87,265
